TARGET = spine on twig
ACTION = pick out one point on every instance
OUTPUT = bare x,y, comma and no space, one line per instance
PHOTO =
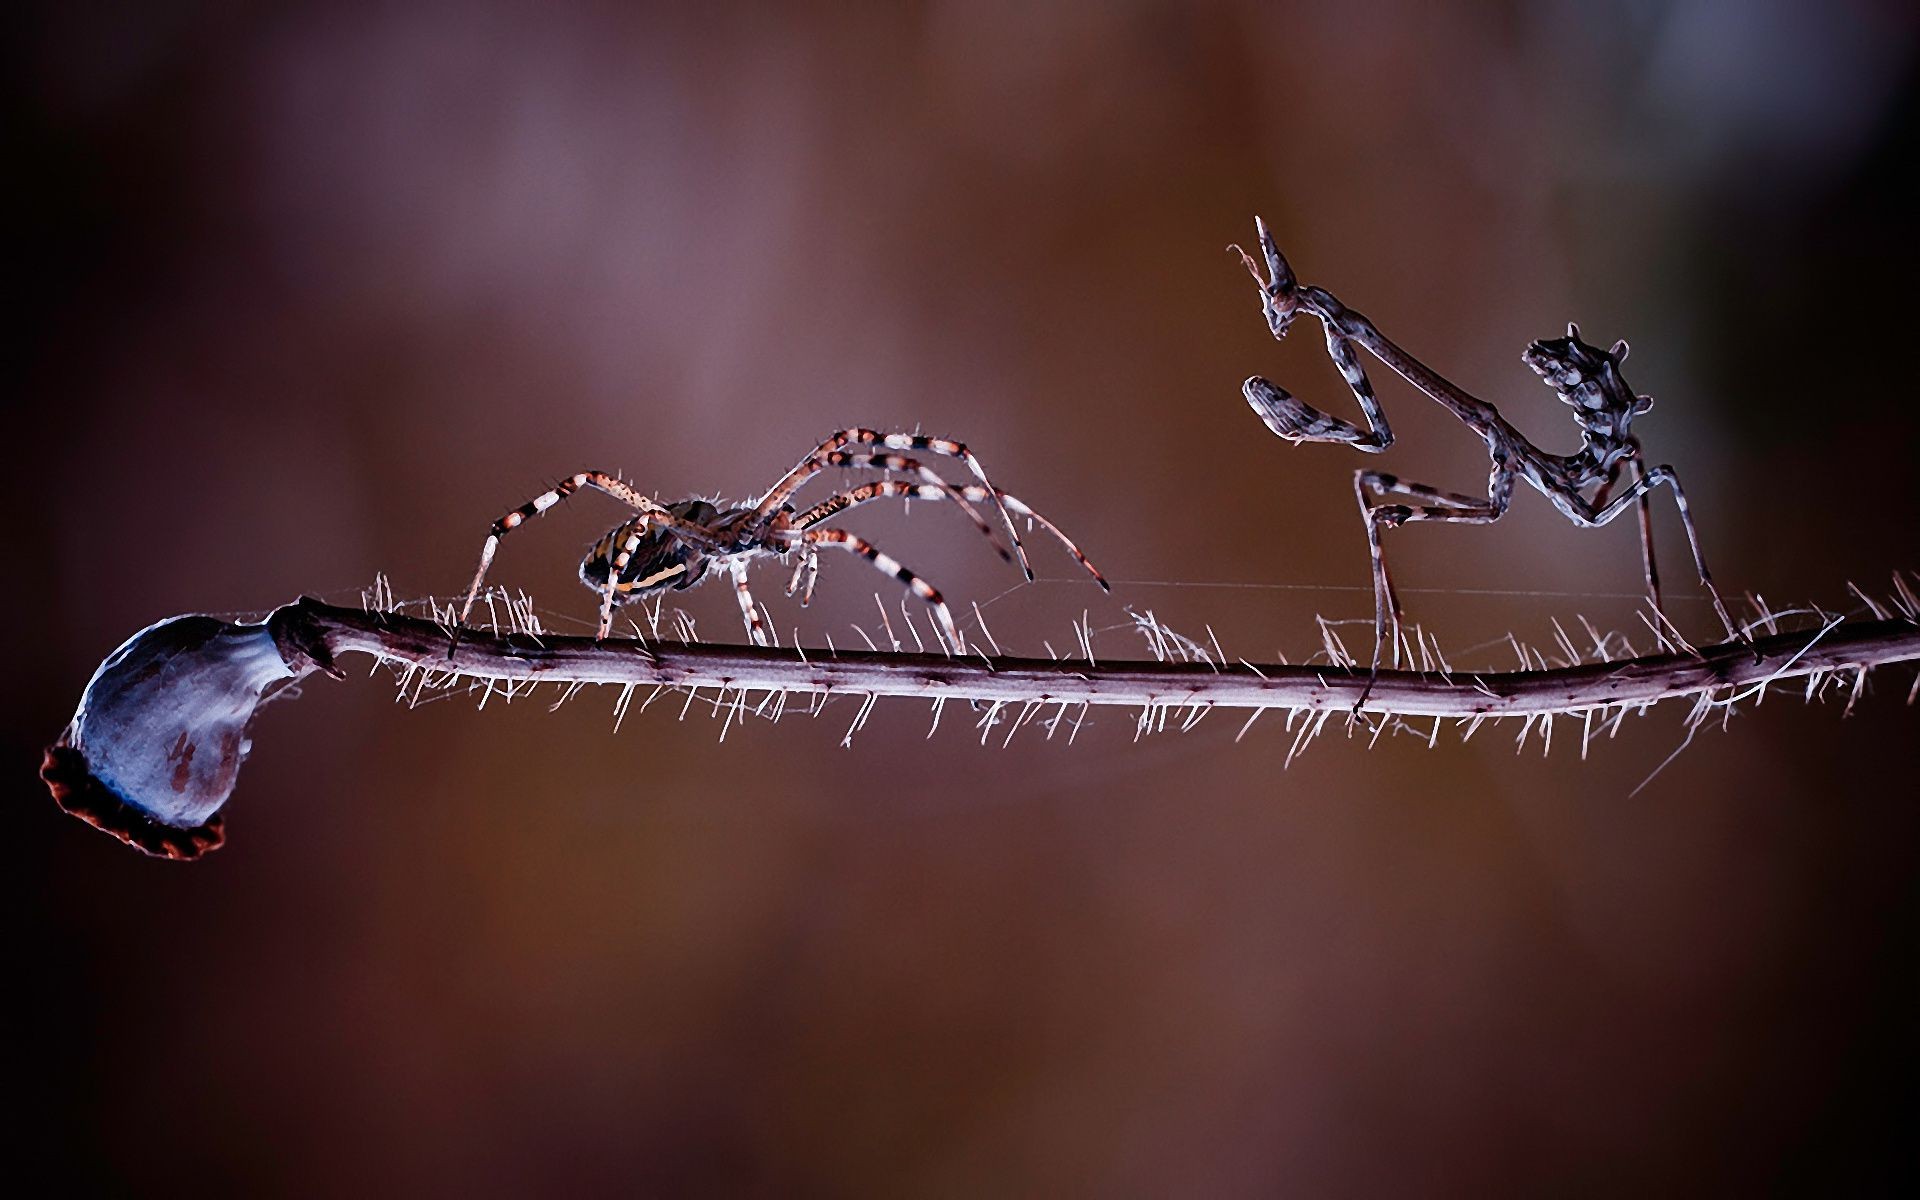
156,746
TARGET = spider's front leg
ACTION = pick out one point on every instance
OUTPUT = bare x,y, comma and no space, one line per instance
899,488
749,611
832,453
888,565
806,572
1451,507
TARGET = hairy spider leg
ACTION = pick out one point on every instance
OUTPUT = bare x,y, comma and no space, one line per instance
809,567
904,465
900,488
821,458
748,610
890,566
601,481
805,567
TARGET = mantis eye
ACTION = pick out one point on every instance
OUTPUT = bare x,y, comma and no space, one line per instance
1619,351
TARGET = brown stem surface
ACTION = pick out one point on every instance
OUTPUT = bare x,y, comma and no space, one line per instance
155,747
523,657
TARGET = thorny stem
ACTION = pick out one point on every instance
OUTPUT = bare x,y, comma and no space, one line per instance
156,745
520,657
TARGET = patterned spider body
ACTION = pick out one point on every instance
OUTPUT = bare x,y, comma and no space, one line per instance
1582,485
660,560
673,546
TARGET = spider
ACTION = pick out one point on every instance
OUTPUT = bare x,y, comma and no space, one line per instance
674,545
1586,378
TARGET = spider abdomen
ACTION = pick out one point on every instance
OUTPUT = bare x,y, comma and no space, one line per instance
658,561
653,567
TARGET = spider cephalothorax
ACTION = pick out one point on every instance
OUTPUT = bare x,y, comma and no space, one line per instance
1581,485
674,545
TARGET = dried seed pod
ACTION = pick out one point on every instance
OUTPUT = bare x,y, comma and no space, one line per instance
156,745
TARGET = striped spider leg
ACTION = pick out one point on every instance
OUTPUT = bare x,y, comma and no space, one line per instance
652,512
831,452
887,565
934,488
898,488
642,557
1584,377
798,532
673,545
779,537
807,567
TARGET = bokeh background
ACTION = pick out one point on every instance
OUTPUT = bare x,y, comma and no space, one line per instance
314,292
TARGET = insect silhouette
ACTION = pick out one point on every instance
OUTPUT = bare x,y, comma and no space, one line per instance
674,545
1582,485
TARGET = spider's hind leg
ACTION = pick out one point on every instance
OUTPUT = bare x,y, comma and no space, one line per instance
603,481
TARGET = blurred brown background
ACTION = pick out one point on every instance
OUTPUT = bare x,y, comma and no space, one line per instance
316,292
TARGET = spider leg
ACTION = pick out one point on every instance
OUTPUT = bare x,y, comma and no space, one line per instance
1024,509
895,462
822,457
619,564
1596,514
748,610
1451,507
900,488
601,481
889,566
807,568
